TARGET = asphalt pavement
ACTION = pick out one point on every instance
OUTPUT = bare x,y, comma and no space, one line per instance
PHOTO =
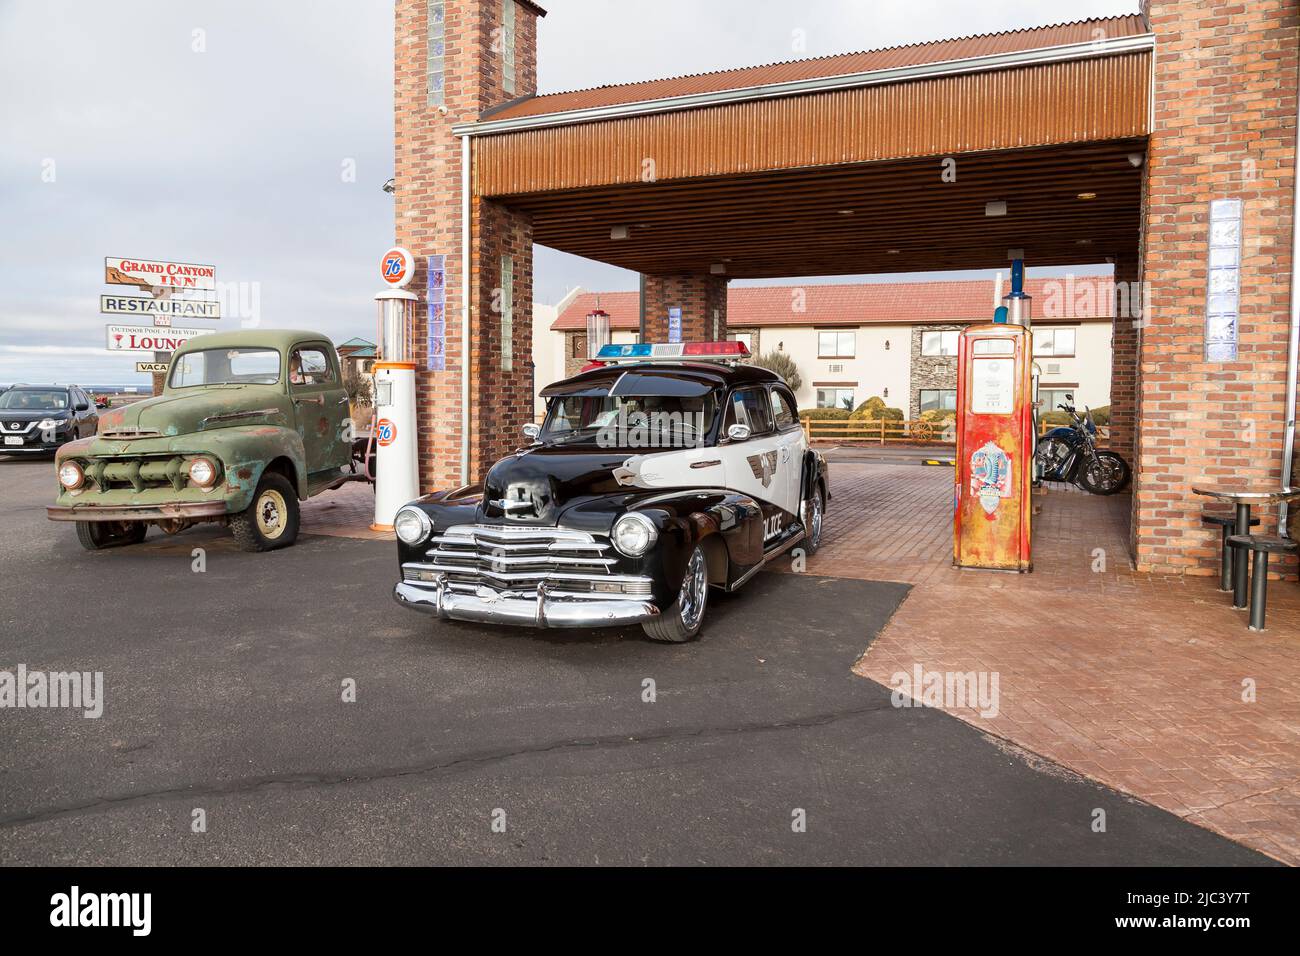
469,744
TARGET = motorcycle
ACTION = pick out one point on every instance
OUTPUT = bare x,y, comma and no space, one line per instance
1070,454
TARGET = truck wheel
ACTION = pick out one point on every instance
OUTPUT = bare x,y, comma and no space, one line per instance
813,514
271,521
97,535
681,622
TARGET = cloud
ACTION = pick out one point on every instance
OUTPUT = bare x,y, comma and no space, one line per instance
222,132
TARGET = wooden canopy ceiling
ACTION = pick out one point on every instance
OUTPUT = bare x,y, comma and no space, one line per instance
899,216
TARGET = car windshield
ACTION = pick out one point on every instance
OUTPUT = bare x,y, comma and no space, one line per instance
226,367
35,399
630,421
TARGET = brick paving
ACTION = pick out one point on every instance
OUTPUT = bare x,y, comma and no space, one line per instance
345,512
1134,680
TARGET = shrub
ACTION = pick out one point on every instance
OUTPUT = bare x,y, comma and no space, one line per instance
358,388
782,364
838,413
874,409
939,415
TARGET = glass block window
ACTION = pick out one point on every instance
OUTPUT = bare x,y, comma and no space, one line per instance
507,313
508,45
437,50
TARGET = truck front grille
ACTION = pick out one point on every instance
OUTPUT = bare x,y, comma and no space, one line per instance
137,472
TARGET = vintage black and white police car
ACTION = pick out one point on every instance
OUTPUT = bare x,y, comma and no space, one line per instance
667,471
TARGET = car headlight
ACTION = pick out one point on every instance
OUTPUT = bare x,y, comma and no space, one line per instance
412,525
45,424
634,533
71,476
203,472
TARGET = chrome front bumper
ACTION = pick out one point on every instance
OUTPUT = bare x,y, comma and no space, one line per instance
541,610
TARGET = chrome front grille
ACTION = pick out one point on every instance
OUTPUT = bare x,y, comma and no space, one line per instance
521,559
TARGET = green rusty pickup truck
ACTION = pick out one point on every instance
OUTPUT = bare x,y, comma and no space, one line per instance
249,423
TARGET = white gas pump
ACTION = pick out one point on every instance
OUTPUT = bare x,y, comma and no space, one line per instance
397,477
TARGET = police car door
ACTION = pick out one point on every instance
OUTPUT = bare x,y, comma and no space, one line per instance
790,443
753,466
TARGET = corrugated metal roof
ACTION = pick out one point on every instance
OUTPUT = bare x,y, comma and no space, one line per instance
936,51
883,303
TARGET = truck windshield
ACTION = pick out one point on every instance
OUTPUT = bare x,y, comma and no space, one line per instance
630,421
226,367
35,399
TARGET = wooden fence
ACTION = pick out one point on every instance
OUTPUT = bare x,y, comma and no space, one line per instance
884,431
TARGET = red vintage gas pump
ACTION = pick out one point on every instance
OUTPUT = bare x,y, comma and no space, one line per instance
995,448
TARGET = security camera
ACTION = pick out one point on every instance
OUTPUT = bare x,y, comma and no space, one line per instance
1135,160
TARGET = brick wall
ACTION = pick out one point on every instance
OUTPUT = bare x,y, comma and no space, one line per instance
1225,104
427,164
1124,359
697,296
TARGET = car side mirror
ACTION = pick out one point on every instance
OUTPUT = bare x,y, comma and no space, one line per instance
532,430
738,432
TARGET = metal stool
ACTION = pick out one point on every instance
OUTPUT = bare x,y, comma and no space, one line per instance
1227,525
1263,545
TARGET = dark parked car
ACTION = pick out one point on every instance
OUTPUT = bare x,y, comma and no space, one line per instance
667,472
37,419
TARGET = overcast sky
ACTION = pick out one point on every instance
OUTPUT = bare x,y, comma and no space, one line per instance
255,135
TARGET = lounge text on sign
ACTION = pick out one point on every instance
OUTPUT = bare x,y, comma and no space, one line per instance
153,273
142,338
172,308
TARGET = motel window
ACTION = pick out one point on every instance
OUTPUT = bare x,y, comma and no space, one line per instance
508,46
1055,343
835,398
938,400
507,313
836,344
1049,398
943,342
746,337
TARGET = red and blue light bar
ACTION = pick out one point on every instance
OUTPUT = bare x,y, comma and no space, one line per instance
673,351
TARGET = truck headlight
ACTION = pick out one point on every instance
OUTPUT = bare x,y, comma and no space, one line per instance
634,534
71,476
412,525
203,472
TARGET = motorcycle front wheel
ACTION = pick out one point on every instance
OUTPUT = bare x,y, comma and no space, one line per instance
1106,474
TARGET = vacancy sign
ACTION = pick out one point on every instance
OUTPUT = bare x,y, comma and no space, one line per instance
153,273
160,308
151,366
142,338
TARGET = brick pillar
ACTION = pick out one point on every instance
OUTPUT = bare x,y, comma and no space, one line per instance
1124,357
440,81
1225,105
698,296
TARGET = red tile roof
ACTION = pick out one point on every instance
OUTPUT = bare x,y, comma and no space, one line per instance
886,303
915,54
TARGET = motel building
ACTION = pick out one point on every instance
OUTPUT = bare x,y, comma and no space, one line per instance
893,340
1160,144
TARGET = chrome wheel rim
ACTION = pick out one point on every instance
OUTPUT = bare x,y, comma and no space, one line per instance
816,507
694,591
270,513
